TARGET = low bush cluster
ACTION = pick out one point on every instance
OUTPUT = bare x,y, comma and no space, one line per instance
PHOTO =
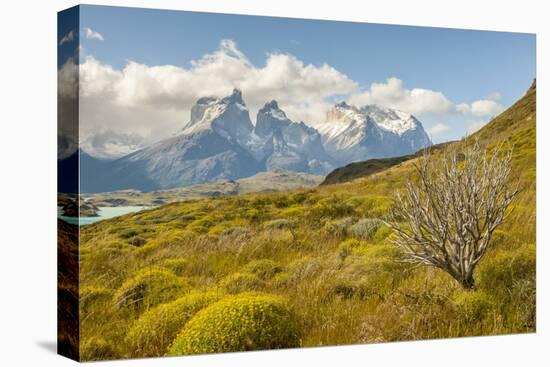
245,322
264,269
365,228
150,287
241,282
153,332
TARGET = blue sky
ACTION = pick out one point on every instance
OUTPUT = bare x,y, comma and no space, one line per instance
462,65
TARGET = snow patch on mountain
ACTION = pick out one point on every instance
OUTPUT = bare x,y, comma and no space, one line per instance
397,122
353,134
288,144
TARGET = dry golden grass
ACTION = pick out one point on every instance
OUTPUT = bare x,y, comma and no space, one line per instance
301,246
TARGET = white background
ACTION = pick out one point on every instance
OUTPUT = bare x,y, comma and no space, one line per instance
28,182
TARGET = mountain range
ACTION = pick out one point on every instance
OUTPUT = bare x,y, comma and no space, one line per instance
219,142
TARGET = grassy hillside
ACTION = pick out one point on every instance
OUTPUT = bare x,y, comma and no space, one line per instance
318,264
67,290
369,167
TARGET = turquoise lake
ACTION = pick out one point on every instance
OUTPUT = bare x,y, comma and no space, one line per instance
105,212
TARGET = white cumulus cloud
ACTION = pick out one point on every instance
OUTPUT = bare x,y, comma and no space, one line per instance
438,128
92,35
392,94
495,96
69,37
482,107
486,107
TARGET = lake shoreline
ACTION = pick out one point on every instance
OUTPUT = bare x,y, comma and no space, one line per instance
103,213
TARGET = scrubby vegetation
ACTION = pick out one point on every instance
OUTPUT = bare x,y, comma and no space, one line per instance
155,330
244,322
308,267
149,287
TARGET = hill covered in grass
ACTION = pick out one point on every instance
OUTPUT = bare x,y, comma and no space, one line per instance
311,266
369,167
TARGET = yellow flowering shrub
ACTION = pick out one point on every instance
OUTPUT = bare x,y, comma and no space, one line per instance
96,349
248,321
472,306
501,272
92,295
241,282
150,287
264,268
153,332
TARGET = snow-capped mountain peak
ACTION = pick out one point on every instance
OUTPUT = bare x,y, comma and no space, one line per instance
272,108
352,134
287,144
270,118
391,120
344,113
235,97
228,116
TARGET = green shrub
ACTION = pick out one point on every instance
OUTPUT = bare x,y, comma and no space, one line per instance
265,269
137,241
249,321
176,265
149,287
91,296
128,233
338,227
252,214
293,212
96,349
370,270
281,280
201,225
365,228
303,269
525,292
511,278
472,306
382,233
370,205
165,238
278,224
498,274
345,248
235,232
153,332
330,208
378,251
216,230
241,282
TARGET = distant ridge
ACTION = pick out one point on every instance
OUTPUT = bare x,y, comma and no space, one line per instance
369,167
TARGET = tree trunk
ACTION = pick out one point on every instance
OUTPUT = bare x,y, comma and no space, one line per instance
467,282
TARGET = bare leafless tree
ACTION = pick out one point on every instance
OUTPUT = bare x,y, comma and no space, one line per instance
446,218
